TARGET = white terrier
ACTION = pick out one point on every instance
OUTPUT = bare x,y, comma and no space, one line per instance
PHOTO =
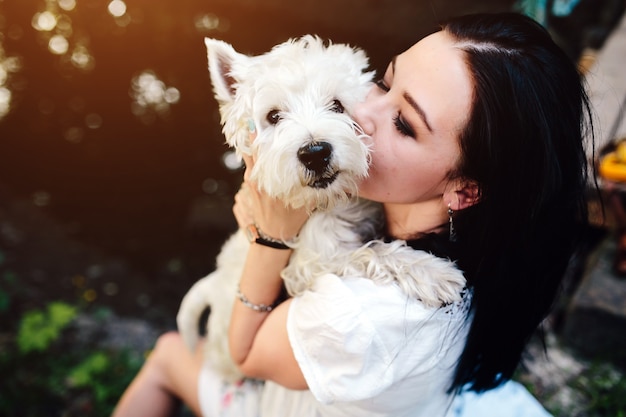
308,151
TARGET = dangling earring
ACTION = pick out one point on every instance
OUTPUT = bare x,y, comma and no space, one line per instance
452,231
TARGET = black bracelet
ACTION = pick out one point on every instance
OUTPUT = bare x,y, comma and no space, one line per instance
255,235
262,308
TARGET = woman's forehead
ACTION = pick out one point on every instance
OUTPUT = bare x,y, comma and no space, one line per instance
434,73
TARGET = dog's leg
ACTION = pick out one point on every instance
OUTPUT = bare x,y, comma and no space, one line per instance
433,280
192,306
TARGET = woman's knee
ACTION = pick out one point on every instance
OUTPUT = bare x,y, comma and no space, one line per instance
171,340
168,347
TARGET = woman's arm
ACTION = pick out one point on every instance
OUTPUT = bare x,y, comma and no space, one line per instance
258,340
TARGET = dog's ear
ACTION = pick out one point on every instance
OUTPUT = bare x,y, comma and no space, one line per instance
222,57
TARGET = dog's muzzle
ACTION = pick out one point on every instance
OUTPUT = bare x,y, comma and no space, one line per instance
316,157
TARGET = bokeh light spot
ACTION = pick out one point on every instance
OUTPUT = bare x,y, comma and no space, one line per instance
207,22
90,295
81,58
232,161
110,288
8,66
172,95
12,64
44,21
151,97
117,8
64,26
93,121
74,134
5,101
210,186
67,4
58,45
175,265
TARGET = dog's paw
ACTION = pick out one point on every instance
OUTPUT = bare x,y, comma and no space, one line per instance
432,280
435,281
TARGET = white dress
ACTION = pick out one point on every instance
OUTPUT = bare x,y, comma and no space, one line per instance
365,349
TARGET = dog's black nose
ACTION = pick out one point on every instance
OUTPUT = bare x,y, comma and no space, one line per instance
316,156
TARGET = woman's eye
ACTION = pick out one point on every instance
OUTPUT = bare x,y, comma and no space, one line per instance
381,84
273,117
403,127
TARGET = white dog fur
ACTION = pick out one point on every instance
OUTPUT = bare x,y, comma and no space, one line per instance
299,97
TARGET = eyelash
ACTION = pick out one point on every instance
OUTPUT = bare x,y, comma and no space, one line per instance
403,127
400,124
381,84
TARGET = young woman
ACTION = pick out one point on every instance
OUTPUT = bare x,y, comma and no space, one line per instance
477,136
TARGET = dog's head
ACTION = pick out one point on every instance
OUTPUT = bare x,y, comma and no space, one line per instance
298,99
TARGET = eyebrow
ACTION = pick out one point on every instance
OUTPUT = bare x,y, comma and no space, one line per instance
418,109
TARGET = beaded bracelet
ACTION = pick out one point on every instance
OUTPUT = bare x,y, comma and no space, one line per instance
263,308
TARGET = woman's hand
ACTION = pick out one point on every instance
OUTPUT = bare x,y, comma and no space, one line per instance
258,340
271,216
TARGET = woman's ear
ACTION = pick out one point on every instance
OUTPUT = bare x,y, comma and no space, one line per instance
462,195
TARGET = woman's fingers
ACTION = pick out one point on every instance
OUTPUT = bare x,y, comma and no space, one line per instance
272,215
242,208
249,164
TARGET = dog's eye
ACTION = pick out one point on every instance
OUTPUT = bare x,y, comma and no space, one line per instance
337,107
273,117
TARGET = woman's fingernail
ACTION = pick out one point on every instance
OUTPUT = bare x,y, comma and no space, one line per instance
251,126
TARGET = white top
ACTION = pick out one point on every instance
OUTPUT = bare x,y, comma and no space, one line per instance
366,349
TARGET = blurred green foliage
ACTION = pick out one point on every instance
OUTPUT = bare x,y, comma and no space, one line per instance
38,329
46,373
605,390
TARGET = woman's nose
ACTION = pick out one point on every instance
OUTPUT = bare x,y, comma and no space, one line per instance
362,115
